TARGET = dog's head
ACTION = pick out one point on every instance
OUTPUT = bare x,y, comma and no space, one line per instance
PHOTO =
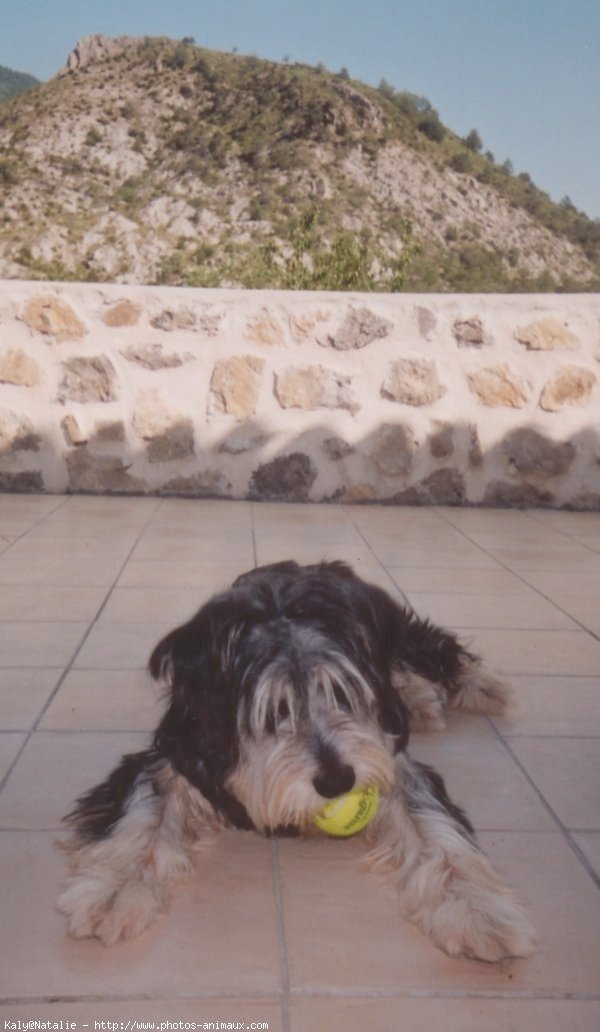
280,696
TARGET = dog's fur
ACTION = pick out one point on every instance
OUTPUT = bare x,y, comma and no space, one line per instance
285,691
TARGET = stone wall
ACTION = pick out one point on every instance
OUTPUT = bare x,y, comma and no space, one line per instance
409,399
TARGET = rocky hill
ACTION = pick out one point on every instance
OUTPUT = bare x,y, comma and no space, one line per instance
151,161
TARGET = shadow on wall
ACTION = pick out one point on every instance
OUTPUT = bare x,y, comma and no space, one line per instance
392,465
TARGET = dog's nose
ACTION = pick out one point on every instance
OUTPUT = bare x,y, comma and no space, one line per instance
334,783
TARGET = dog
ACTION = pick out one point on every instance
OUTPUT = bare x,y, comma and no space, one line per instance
284,692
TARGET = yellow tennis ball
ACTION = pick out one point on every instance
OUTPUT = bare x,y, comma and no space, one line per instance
349,813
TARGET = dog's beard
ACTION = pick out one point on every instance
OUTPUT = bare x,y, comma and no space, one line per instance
274,777
279,751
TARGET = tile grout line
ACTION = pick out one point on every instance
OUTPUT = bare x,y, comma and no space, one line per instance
378,561
522,579
583,861
555,530
36,523
528,513
481,828
566,832
67,669
283,953
361,992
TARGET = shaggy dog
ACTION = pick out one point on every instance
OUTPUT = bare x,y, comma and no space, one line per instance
285,691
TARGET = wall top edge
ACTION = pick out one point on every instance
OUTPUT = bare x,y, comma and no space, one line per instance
316,295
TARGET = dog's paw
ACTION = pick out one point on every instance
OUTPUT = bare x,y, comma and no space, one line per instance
483,926
481,692
96,910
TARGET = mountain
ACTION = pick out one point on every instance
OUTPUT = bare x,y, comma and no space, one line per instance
152,161
13,83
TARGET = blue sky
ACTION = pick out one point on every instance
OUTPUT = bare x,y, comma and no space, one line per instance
524,73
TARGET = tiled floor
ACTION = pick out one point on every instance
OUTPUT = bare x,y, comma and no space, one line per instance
292,933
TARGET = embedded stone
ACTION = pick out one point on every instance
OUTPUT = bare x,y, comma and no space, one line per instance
547,335
99,474
53,317
237,444
355,493
208,321
168,434
112,430
312,387
265,330
497,387
441,442
573,385
469,333
174,319
17,434
412,381
444,487
503,494
288,478
235,384
176,442
123,313
88,379
336,448
587,500
394,450
534,453
151,417
27,441
210,483
154,356
359,328
24,482
72,432
302,324
18,368
426,321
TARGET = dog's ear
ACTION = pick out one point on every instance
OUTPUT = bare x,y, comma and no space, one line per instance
198,732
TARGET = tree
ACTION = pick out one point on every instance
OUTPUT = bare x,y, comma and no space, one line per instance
473,141
567,204
386,89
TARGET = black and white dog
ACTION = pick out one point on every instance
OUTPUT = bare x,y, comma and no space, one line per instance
285,691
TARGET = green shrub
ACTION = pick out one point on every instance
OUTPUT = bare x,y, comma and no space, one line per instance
461,162
431,127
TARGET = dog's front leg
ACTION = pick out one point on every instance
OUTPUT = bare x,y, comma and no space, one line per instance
121,875
446,884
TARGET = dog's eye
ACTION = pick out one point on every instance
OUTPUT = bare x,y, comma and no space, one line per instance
341,699
276,715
